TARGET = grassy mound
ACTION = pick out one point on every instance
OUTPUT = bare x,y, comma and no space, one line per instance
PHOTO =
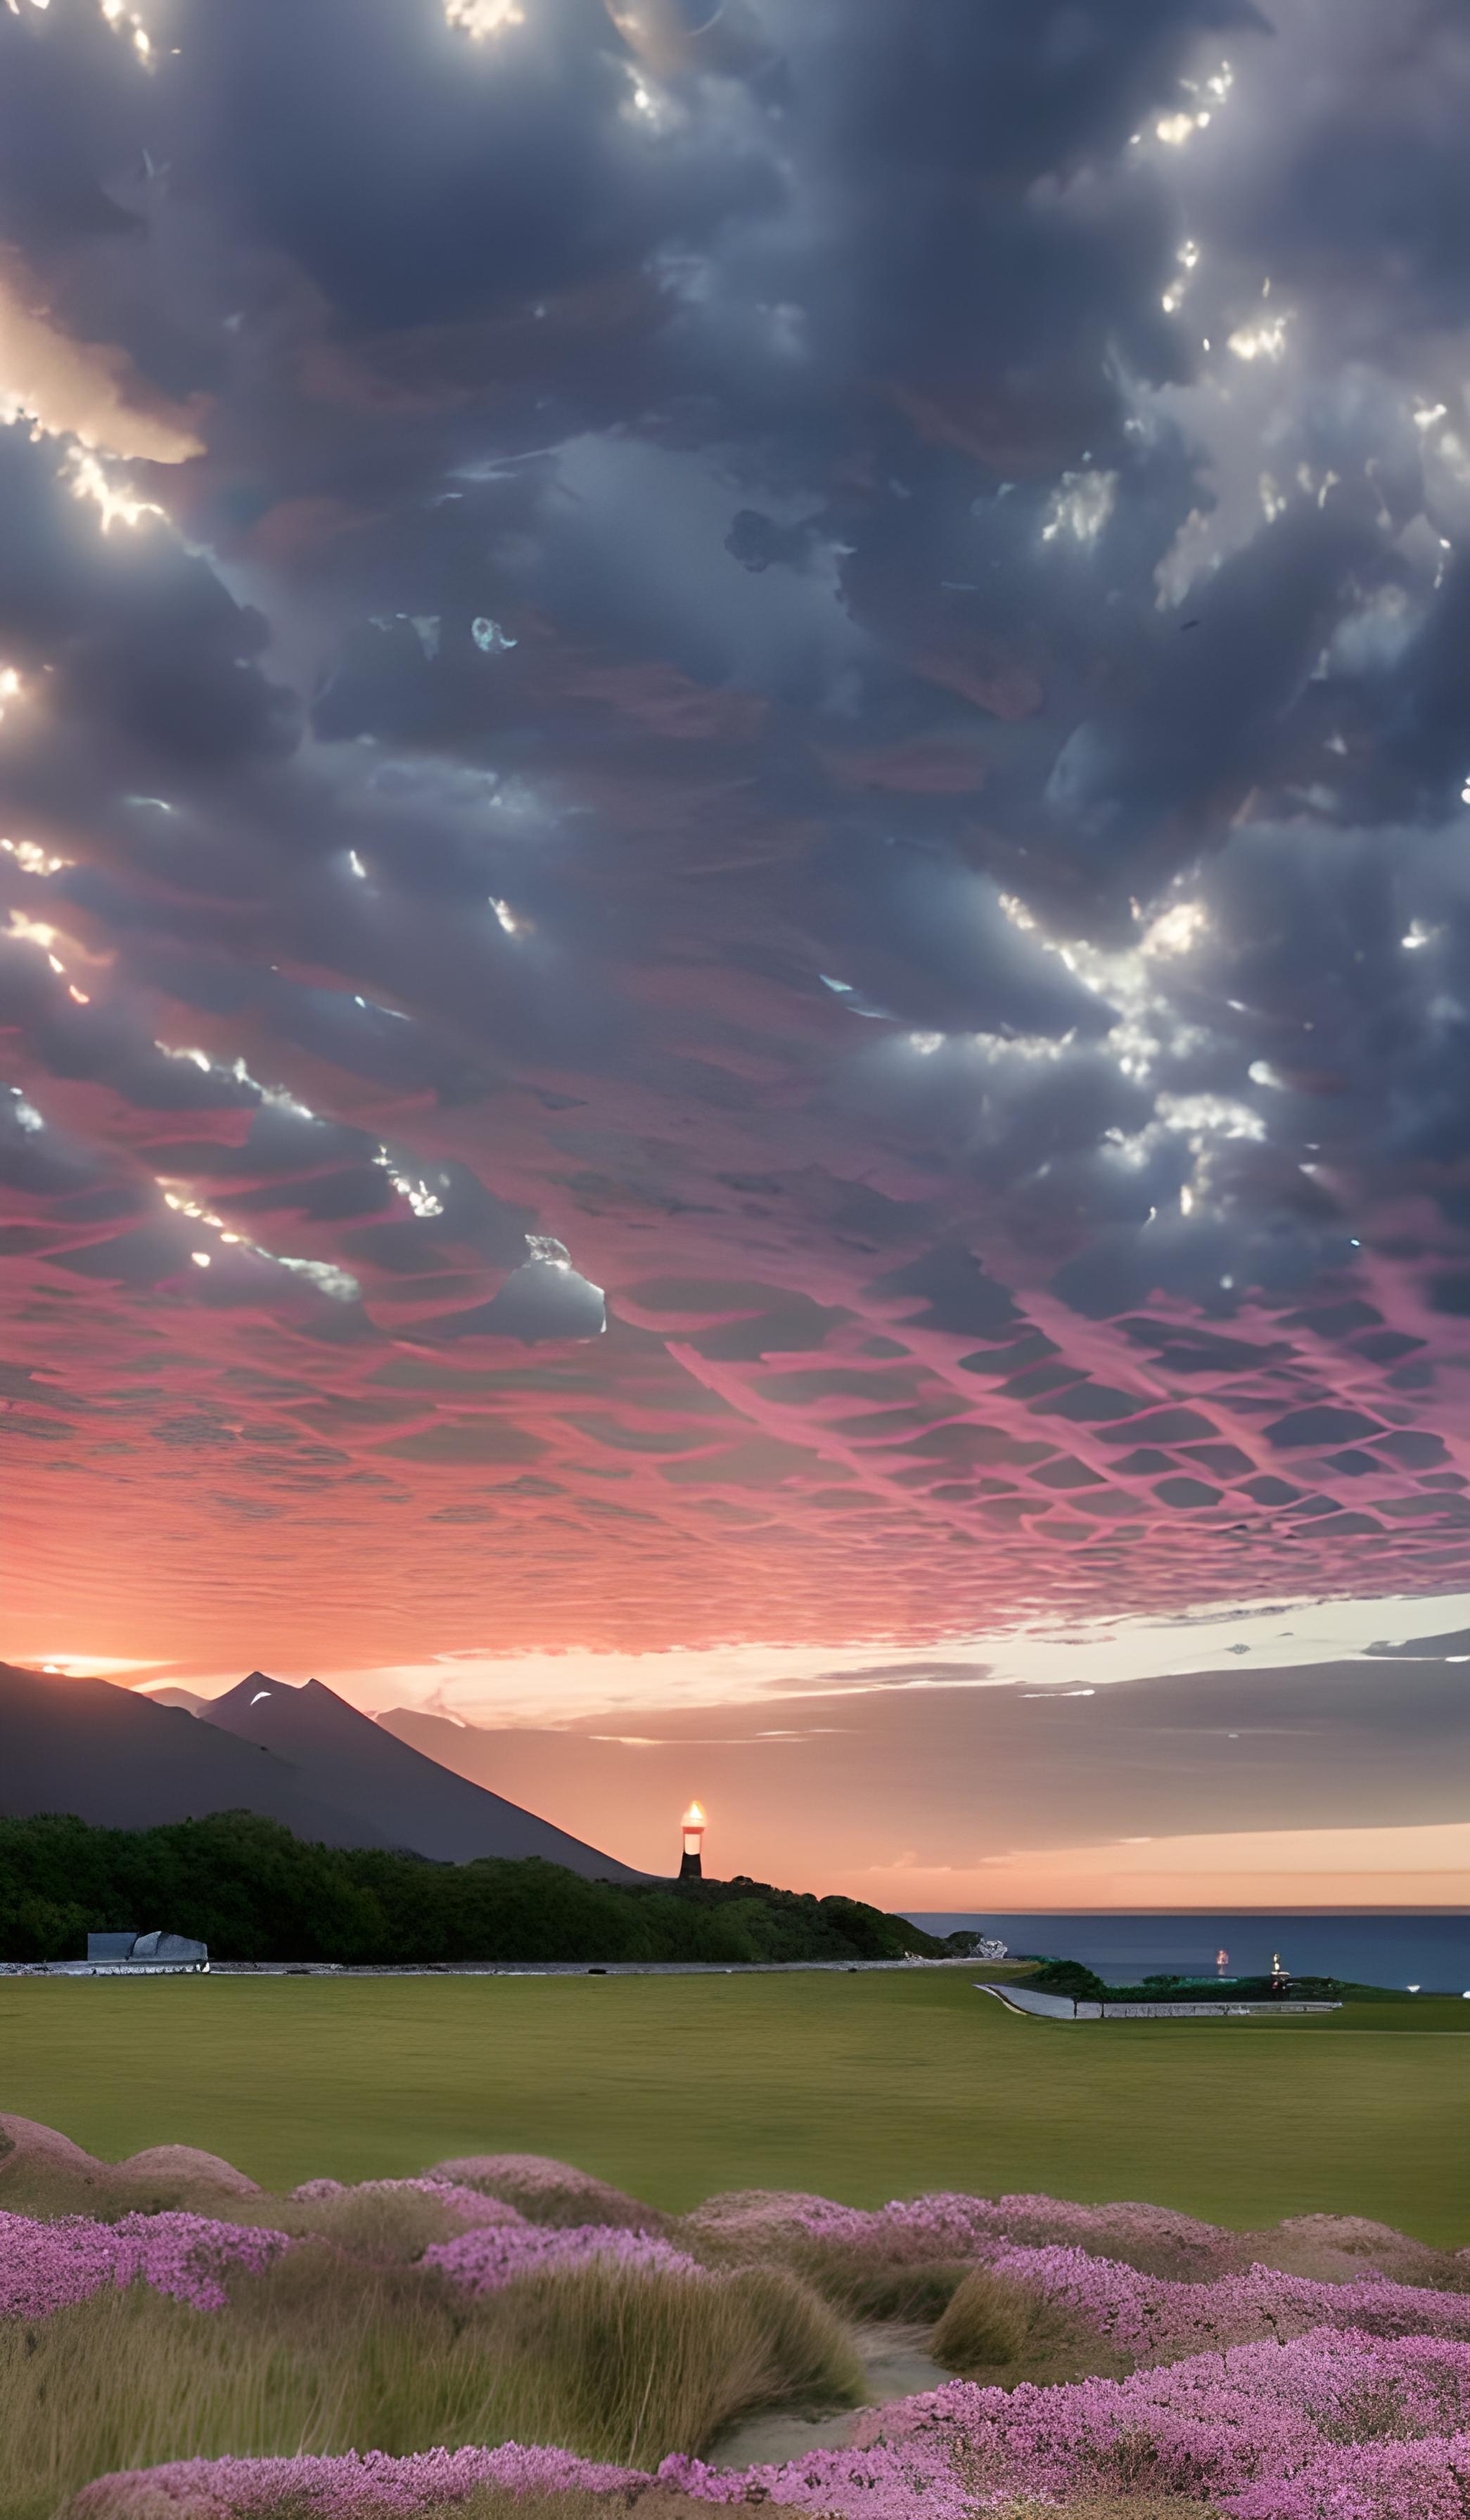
549,2192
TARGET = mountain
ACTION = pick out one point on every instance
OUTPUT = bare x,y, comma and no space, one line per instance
301,1756
556,1768
116,1758
184,1698
397,1792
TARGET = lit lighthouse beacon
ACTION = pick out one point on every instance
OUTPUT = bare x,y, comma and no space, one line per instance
691,1869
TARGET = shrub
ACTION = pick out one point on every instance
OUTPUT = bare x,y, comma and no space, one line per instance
548,2191
46,2266
392,2223
1248,2421
1068,1977
1151,2237
486,2261
903,2262
1148,2319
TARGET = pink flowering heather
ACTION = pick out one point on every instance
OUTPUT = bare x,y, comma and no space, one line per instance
184,2165
1176,2243
48,2266
1349,2244
485,2261
920,2481
951,2225
548,2191
356,2485
945,2224
871,2485
1331,2426
1210,2426
477,2210
759,2211
1389,2480
1154,2318
753,2221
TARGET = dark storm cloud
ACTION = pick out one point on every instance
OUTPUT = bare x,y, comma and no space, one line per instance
1211,714
151,657
812,672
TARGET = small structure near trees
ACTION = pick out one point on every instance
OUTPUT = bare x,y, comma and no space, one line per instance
157,1949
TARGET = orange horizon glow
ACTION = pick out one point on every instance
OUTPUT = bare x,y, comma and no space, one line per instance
834,1786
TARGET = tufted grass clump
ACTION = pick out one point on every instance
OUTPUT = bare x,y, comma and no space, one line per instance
380,2226
867,2286
323,2353
996,2329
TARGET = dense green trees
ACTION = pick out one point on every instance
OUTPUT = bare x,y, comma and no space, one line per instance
252,1892
1068,1977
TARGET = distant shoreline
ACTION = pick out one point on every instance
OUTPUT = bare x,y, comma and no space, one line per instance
962,1916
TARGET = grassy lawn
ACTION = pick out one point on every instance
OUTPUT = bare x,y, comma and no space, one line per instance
862,2088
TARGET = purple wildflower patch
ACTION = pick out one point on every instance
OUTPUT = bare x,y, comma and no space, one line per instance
46,2266
485,2261
1153,2319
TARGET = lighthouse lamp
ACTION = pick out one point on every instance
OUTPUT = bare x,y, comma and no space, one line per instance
691,1868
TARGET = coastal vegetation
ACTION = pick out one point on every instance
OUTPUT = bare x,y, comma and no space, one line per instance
326,2352
1073,1978
252,1891
507,2337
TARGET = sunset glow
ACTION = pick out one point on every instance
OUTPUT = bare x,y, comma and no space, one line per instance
732,913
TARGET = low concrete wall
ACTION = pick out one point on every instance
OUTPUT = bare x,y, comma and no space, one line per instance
1062,2007
105,1968
1046,2007
1266,2009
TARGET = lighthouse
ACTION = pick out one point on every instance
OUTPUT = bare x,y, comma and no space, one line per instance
691,1869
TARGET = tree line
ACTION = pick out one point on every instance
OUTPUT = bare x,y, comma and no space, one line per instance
249,1890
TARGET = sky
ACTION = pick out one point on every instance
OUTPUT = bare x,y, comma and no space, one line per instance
734,890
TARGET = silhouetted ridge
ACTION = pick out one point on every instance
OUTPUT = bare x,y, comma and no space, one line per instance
297,1755
406,1798
112,1757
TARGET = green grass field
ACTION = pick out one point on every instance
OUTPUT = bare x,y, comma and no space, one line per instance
862,2088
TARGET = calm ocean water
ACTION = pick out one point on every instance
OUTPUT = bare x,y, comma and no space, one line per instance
1431,1950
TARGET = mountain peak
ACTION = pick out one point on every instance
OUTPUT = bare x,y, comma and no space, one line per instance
118,1760
420,1804
258,1684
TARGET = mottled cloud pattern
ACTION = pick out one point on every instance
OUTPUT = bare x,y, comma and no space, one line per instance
735,768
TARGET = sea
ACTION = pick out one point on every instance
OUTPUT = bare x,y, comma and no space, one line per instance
1424,1948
